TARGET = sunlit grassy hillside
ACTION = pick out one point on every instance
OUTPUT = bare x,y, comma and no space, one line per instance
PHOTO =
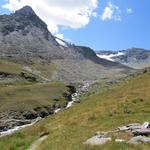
120,104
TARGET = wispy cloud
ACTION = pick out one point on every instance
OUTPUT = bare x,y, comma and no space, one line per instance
111,12
129,10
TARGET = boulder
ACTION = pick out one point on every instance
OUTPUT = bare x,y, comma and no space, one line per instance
138,140
130,127
100,138
97,140
145,132
146,125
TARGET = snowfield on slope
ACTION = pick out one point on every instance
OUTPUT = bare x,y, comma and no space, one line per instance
61,42
110,56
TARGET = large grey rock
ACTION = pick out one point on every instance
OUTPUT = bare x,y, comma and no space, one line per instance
100,138
143,131
138,140
130,127
136,128
97,140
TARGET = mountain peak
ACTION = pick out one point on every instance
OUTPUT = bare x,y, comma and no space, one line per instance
27,10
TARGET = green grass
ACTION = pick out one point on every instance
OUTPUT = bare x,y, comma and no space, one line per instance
38,71
124,103
46,70
9,67
28,97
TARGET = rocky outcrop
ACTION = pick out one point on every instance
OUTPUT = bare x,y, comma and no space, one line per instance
136,128
100,139
140,133
138,140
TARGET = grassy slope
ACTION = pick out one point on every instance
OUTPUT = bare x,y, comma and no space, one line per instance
124,103
45,70
37,70
28,97
10,67
19,94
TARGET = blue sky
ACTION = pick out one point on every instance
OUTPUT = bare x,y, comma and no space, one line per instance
120,30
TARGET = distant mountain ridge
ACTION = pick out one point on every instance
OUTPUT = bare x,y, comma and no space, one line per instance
137,58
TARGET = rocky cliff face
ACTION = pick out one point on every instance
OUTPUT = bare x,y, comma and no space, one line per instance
24,38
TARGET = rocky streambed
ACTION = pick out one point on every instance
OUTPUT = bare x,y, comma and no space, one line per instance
25,123
10,124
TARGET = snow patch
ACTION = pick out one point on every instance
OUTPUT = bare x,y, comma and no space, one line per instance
61,42
110,56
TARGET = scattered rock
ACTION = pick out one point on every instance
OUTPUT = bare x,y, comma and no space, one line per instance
30,115
134,127
139,131
97,140
123,128
138,140
145,132
4,74
146,125
28,77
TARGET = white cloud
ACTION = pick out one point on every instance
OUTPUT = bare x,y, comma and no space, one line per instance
129,10
60,36
56,13
111,12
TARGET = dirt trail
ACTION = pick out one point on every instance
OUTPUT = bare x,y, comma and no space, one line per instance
37,143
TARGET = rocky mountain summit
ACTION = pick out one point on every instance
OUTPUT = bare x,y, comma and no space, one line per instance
25,39
135,57
24,35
